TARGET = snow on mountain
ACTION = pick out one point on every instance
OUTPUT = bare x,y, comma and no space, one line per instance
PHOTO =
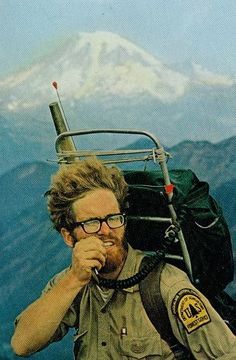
205,77
102,64
107,81
92,64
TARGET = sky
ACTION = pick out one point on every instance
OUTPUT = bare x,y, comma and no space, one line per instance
175,31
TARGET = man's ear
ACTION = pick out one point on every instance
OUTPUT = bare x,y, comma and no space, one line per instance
67,237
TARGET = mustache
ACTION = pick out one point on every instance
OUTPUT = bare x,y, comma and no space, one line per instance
114,238
117,240
105,237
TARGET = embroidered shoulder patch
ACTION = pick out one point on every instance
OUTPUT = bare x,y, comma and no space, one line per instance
190,310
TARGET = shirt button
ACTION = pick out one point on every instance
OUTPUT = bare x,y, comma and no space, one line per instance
104,343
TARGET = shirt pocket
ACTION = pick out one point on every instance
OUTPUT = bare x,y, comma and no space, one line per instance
145,348
78,341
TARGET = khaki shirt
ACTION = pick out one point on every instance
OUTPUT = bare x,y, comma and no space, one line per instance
114,324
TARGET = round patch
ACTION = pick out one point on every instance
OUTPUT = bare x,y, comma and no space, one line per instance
190,310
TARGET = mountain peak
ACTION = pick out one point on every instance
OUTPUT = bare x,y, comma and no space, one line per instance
106,80
92,64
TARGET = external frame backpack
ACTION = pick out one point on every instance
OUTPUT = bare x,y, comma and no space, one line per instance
206,235
205,230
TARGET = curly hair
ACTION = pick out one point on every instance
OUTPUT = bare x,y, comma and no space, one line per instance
73,181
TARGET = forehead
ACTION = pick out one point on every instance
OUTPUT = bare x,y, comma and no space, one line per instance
96,203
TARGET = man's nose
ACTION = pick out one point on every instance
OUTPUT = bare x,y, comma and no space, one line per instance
104,230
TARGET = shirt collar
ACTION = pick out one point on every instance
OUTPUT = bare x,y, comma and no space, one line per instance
131,267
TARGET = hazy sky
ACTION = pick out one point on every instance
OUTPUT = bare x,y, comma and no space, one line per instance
175,31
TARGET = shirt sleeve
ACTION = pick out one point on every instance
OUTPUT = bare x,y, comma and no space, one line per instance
70,318
194,322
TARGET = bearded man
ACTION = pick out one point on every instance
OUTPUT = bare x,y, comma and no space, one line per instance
86,206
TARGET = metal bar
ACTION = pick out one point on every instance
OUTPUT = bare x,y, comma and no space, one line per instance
150,218
174,257
109,131
61,126
115,153
107,161
108,152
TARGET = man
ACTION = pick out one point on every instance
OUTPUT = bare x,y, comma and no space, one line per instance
86,206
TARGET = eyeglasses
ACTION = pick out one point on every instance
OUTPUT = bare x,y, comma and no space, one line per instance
92,226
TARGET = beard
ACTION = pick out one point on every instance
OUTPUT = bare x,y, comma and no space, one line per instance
115,259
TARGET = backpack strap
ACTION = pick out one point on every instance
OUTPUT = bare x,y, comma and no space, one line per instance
76,304
156,309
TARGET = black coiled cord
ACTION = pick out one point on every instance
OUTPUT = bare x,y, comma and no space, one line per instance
136,278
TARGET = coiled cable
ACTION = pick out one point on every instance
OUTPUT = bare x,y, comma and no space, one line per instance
136,278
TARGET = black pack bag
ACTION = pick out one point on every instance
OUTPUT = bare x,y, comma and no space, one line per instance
204,227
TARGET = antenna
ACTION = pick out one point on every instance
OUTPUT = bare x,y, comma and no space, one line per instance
55,85
61,124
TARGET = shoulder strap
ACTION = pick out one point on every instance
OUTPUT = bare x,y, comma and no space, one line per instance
76,304
156,309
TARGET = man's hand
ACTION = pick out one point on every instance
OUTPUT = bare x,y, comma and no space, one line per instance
40,320
88,253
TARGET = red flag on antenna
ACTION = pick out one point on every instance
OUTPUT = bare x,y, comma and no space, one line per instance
54,84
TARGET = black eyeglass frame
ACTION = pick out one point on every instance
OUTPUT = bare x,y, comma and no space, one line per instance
101,220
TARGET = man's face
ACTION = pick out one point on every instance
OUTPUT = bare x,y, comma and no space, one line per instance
98,204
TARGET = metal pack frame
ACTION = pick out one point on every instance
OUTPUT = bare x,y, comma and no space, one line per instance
68,153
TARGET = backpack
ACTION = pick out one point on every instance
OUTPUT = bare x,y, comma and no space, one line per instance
203,225
206,235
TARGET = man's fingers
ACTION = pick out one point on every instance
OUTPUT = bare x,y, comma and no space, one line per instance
89,265
88,253
89,244
95,255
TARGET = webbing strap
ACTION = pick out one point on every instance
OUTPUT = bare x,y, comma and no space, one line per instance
76,304
157,312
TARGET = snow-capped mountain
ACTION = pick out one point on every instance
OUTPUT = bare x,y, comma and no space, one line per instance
101,64
107,81
91,64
